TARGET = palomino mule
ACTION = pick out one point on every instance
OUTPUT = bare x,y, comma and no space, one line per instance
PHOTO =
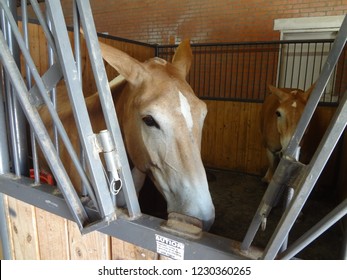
280,114
161,121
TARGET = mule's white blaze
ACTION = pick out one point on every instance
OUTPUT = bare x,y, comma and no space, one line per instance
185,109
294,104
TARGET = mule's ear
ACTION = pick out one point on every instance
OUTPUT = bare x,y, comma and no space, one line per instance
130,68
307,93
282,95
183,57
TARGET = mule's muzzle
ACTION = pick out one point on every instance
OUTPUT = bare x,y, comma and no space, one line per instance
207,224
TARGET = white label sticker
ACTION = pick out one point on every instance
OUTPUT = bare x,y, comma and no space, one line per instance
169,247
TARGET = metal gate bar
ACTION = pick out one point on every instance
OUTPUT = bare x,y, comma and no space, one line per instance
141,232
42,135
329,220
60,46
16,117
309,174
107,105
74,88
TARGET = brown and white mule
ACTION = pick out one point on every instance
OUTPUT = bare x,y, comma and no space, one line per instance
280,114
161,121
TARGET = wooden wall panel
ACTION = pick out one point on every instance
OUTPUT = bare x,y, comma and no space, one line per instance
122,250
52,236
22,230
91,246
231,136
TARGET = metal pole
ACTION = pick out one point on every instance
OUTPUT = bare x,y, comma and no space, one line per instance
16,116
42,89
77,47
4,168
43,138
28,82
79,108
316,231
108,106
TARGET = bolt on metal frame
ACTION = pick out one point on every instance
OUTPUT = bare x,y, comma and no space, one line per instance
134,227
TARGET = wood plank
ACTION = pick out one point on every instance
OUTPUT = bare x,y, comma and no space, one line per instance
23,230
208,134
218,155
91,246
52,236
122,250
229,132
9,228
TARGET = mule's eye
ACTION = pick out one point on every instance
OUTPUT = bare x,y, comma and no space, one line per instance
150,121
278,113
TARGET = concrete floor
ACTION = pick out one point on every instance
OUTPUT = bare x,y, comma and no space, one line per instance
237,196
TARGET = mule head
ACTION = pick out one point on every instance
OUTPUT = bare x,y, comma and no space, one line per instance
291,106
162,120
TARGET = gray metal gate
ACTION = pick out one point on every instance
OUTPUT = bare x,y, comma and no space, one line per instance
101,213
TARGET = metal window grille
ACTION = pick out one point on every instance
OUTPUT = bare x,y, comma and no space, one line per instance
243,71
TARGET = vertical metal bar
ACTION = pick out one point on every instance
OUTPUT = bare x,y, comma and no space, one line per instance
226,74
221,73
314,62
43,24
261,67
4,168
255,71
16,117
242,73
28,82
298,77
248,81
267,66
307,59
42,136
286,71
293,67
329,220
279,64
4,148
204,76
200,68
107,104
79,108
214,72
237,71
53,92
77,48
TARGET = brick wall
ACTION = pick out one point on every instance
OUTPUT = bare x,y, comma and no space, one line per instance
162,21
